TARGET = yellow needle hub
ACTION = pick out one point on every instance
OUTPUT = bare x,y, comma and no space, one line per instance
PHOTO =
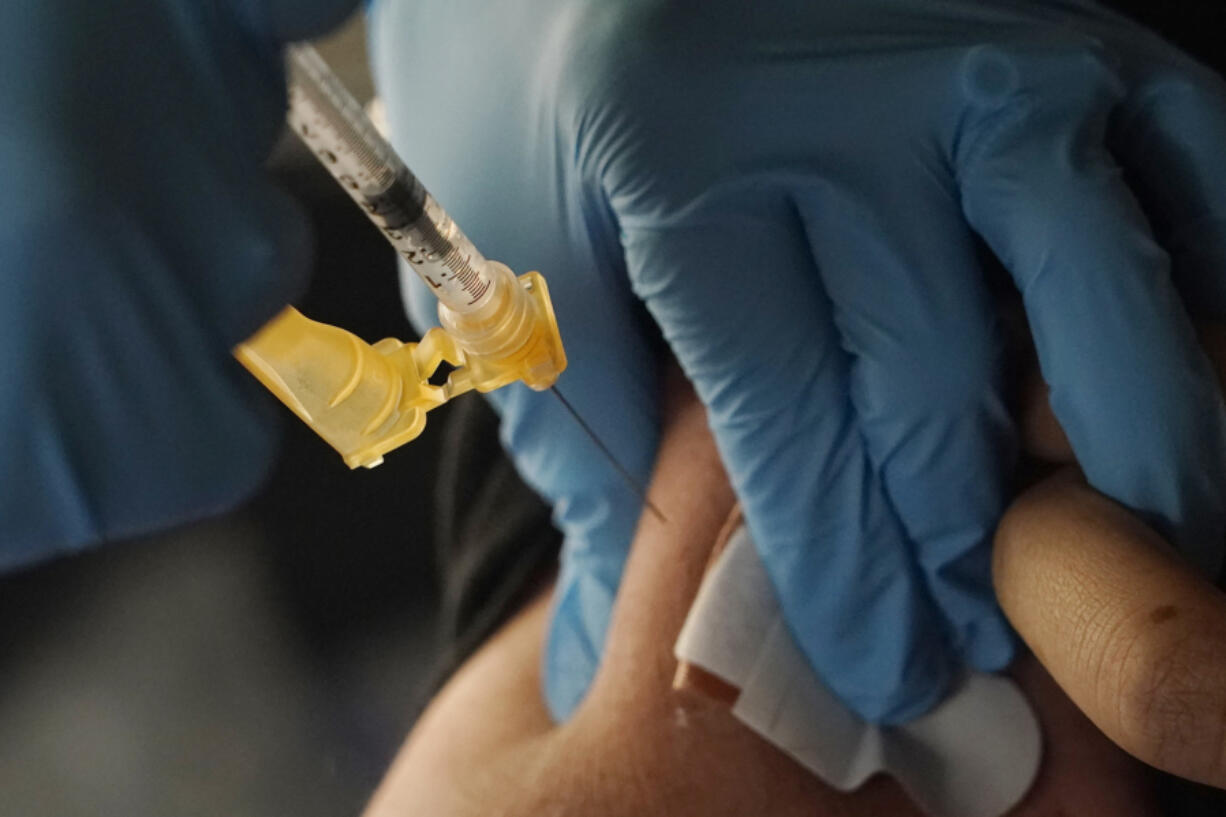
366,400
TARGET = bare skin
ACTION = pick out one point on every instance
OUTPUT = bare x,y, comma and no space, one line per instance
486,744
1130,633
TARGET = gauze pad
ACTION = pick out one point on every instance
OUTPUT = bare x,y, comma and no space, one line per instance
975,755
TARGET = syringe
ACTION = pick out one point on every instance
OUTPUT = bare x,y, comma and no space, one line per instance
480,302
332,124
366,400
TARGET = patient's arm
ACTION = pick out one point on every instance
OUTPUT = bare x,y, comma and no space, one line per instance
486,745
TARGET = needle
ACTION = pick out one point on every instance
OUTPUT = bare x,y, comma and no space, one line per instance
631,482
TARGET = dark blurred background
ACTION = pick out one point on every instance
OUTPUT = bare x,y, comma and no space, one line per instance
269,662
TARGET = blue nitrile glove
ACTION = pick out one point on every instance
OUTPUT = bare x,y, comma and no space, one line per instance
140,239
794,190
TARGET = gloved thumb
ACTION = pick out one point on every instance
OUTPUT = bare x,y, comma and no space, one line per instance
582,607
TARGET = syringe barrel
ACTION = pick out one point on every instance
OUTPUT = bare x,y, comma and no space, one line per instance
333,125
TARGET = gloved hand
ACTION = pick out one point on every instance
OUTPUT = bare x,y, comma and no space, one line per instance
140,239
795,191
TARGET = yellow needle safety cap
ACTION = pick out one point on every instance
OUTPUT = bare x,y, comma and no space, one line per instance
365,400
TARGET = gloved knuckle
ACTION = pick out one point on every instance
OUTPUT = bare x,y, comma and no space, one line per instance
1178,94
989,75
1077,65
610,51
1016,95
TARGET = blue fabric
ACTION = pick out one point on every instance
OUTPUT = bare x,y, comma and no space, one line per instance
794,192
139,241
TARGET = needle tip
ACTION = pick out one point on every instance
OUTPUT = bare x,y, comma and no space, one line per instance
626,476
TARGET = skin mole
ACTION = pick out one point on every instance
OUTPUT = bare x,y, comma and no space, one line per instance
1164,613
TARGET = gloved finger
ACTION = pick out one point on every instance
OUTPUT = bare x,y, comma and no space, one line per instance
1129,383
1170,139
732,285
579,622
191,173
912,306
152,302
168,408
269,250
289,20
237,283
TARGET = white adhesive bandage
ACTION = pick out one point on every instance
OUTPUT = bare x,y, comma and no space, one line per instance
973,756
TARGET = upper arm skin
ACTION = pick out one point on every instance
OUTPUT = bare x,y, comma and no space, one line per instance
490,712
486,745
